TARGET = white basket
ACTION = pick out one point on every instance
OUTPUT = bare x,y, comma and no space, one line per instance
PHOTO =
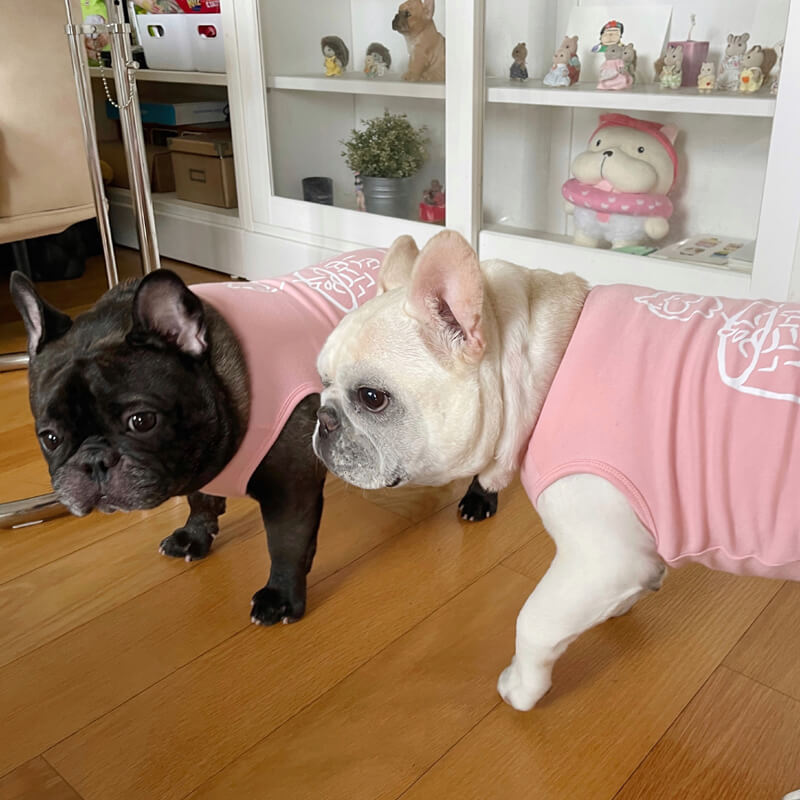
166,40
208,46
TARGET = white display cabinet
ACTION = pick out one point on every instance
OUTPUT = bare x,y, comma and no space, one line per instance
736,171
503,149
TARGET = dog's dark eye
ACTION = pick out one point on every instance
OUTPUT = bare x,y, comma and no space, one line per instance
597,143
407,13
50,440
373,399
640,149
142,421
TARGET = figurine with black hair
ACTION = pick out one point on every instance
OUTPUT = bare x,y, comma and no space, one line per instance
378,60
337,56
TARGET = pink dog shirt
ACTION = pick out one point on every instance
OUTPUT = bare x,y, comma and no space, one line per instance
690,406
281,325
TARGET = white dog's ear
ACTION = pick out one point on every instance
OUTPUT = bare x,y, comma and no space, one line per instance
446,296
428,5
396,268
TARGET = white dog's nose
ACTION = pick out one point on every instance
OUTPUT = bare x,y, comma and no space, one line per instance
608,152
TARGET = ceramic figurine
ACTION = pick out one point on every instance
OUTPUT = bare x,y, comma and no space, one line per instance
671,73
756,65
613,74
361,204
773,89
378,60
519,69
336,55
706,80
566,67
629,60
731,64
619,190
432,207
610,33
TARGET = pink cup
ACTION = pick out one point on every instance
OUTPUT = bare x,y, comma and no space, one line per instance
694,54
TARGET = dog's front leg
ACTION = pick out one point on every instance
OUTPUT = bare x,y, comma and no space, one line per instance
195,538
605,561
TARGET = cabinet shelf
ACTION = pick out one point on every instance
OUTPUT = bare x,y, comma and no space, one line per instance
356,83
171,76
642,97
168,203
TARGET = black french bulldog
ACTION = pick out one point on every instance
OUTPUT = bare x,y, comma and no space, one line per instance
129,415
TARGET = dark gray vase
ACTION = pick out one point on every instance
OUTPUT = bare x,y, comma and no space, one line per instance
388,196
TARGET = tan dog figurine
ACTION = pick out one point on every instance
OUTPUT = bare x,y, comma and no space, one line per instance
426,59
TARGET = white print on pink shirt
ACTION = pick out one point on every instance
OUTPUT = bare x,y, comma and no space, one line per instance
343,283
759,345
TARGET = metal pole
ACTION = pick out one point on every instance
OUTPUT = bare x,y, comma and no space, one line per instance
130,122
31,510
80,70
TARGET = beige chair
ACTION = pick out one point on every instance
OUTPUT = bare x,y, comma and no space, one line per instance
47,183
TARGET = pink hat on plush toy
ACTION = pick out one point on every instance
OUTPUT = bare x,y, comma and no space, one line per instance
665,134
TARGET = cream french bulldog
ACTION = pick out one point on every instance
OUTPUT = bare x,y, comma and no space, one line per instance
445,373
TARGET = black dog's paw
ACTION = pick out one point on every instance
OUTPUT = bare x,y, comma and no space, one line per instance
477,503
187,544
270,606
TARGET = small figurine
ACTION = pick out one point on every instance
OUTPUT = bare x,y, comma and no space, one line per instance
361,204
706,80
671,73
432,207
618,192
613,74
756,64
773,89
629,60
610,33
566,67
378,60
731,64
336,55
519,69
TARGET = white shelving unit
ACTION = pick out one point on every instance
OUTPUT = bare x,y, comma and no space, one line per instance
356,83
503,148
647,97
170,76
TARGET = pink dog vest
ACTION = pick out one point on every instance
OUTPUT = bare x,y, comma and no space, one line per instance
690,406
281,325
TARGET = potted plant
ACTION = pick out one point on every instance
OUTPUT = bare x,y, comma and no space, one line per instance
387,152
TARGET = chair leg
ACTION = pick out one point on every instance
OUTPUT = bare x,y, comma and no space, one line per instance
31,510
22,261
11,361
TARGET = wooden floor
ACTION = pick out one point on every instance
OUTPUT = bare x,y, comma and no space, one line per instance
126,675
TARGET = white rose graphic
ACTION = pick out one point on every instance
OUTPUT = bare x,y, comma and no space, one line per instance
680,307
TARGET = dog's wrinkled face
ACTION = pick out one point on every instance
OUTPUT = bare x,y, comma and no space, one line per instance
413,16
402,397
630,160
123,401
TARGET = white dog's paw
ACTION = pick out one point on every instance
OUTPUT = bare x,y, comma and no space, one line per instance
522,693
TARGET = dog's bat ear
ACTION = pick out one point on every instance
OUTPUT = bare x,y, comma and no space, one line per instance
397,264
428,5
43,323
164,307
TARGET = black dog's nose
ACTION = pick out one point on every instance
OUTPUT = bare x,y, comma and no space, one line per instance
395,21
98,460
328,421
608,152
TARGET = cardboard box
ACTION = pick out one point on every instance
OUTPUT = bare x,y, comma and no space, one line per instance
203,167
159,163
190,113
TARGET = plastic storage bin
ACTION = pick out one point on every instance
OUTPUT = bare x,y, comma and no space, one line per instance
188,42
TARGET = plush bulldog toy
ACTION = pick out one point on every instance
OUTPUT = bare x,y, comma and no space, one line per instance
620,185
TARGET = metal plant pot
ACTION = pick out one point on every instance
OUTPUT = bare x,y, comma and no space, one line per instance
388,196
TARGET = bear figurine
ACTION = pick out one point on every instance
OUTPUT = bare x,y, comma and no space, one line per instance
618,194
629,60
558,75
613,74
731,64
706,80
519,69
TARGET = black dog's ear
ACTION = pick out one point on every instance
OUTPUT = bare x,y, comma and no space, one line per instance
43,323
164,306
